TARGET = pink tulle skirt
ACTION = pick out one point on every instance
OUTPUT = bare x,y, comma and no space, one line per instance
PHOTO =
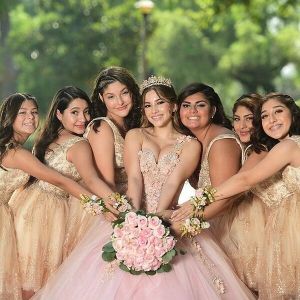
204,272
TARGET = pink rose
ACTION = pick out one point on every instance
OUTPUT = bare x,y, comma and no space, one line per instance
170,243
131,219
159,231
154,222
118,232
142,240
142,222
117,244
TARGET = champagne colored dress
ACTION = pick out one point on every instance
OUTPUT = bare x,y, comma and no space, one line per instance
40,213
10,285
79,221
204,272
279,276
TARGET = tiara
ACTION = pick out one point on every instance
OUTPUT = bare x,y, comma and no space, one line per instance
153,80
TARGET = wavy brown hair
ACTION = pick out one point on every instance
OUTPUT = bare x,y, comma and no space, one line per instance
8,112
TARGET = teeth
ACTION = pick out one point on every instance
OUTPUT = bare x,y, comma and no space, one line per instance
193,118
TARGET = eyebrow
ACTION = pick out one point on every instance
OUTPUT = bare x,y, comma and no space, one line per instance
251,114
274,107
125,88
186,101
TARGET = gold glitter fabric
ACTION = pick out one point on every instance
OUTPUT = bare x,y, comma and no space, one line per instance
40,213
79,221
10,285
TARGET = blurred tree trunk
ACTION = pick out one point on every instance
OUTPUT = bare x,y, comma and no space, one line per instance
9,73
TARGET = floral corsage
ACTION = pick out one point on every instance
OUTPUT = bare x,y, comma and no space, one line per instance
193,225
141,243
96,206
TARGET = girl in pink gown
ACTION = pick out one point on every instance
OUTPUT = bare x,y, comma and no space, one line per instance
158,159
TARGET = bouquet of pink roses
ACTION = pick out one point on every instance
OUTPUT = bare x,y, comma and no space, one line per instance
141,243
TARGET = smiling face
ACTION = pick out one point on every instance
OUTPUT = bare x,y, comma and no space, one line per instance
276,119
158,110
196,112
118,101
242,123
26,120
75,117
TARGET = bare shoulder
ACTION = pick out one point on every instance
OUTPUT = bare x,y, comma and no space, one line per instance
135,133
194,144
286,145
103,130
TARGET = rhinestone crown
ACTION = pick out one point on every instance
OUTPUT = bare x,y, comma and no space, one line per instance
153,80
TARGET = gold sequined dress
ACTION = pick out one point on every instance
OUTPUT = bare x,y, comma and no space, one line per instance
10,285
204,272
40,213
280,262
79,221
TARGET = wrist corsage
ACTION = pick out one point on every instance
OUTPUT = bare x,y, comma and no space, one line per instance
193,225
96,205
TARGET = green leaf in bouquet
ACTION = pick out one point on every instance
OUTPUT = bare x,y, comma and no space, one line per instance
123,267
166,268
141,212
151,273
168,256
134,272
108,256
108,247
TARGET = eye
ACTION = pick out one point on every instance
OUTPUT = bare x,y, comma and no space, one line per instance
264,116
249,119
236,119
75,112
278,111
22,112
125,92
161,102
147,105
185,105
200,105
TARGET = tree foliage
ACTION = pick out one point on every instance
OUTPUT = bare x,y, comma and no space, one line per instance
237,46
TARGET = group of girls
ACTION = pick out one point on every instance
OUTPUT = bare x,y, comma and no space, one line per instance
252,248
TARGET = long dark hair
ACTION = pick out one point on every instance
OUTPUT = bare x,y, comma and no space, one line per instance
8,112
105,78
209,93
52,125
251,102
259,137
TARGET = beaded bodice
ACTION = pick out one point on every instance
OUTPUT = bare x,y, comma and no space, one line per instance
155,172
204,178
120,174
291,175
57,160
11,180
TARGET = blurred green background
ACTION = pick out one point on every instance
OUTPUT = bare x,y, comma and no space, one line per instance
236,46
